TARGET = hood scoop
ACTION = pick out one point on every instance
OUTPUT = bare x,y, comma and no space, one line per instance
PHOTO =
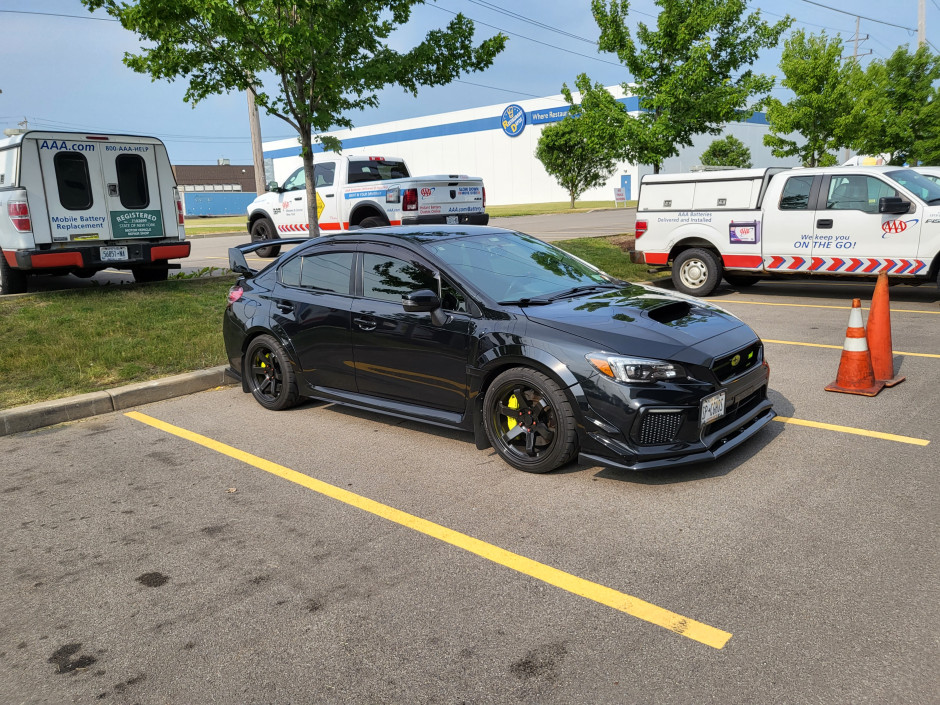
670,312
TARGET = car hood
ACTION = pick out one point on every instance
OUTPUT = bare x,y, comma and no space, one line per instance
640,320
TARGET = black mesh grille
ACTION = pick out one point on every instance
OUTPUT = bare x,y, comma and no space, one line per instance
747,358
660,428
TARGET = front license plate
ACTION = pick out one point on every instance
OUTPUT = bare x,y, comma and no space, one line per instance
113,254
453,219
713,407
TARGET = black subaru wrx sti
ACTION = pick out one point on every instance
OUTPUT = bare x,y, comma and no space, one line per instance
536,352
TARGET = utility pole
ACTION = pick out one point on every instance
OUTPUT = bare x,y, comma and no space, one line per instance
922,23
855,55
255,124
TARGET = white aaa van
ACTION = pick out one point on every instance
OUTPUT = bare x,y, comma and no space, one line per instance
78,203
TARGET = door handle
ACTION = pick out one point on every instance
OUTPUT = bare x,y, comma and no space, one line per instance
297,198
365,322
330,195
284,306
824,223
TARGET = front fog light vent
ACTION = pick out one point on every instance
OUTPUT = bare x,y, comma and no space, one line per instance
659,428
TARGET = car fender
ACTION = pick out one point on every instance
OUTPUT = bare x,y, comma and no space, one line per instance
693,235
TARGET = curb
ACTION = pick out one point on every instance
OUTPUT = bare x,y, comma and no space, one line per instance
56,411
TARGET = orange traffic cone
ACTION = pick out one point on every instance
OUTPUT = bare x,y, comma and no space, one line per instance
879,334
855,372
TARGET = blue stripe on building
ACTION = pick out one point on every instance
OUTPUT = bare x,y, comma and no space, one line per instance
534,117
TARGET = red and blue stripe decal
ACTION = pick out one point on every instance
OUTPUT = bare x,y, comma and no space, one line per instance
829,265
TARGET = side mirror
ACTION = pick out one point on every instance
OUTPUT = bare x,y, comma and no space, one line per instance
272,186
893,205
422,301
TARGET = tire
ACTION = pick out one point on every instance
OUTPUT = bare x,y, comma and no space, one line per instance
143,275
373,221
263,229
270,375
696,272
522,395
740,280
12,281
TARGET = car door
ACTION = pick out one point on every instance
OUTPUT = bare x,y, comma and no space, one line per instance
293,205
406,356
311,305
788,225
852,237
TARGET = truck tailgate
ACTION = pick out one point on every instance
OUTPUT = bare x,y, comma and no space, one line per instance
450,197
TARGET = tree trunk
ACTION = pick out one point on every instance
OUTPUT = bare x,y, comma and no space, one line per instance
306,153
571,193
656,168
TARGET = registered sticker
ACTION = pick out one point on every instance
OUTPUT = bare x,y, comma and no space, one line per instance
713,407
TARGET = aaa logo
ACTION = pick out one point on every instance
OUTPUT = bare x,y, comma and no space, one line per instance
893,227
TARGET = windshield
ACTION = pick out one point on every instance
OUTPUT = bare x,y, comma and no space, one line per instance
918,184
510,266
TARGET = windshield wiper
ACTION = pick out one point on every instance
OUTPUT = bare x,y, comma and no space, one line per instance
584,289
932,201
533,301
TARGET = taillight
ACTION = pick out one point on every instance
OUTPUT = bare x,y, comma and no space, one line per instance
234,294
180,219
484,197
641,226
409,199
19,214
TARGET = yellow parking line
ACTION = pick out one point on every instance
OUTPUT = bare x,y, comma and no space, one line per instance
703,633
839,347
771,303
855,431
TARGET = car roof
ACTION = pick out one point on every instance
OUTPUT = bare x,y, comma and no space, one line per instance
419,233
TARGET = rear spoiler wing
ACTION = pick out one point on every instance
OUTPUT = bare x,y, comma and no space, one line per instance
236,255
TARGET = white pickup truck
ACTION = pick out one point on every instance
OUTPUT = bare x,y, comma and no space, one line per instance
365,192
76,203
752,223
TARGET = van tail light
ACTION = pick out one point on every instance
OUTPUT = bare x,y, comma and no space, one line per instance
180,219
19,214
409,199
234,294
484,198
641,226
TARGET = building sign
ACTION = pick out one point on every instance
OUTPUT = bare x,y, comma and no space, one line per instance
513,120
552,115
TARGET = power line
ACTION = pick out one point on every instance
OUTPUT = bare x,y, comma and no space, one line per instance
855,14
59,14
537,23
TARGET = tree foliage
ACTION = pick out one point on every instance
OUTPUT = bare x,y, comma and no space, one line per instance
729,151
576,154
899,108
822,111
329,57
691,72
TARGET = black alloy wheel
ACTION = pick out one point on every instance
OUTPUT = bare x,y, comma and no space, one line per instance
529,421
269,374
263,229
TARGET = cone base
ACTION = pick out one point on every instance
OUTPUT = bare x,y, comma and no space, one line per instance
864,391
894,381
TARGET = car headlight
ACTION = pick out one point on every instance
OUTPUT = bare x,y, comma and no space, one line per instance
635,369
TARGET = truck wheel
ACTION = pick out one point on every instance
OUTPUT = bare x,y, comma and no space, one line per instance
263,229
146,274
741,279
12,281
372,221
696,272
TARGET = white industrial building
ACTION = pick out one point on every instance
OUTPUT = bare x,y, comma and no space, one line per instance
497,143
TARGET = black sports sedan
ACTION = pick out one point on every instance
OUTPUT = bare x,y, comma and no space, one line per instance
542,356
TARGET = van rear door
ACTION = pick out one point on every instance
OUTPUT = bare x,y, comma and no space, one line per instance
130,175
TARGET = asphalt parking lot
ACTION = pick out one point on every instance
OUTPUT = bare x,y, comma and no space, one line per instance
205,550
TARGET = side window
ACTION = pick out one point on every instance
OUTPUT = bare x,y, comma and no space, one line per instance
388,278
289,273
71,176
324,174
795,196
452,299
295,181
857,193
328,272
132,180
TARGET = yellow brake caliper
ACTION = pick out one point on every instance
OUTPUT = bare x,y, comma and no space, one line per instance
513,403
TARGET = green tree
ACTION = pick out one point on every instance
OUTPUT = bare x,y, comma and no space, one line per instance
329,57
577,155
690,72
822,111
899,108
729,151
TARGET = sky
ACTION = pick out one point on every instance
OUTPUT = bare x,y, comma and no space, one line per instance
64,72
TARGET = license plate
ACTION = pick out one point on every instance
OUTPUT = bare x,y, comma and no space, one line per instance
113,254
713,407
453,219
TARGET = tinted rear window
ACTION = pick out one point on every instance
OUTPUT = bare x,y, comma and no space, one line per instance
71,177
132,181
362,170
